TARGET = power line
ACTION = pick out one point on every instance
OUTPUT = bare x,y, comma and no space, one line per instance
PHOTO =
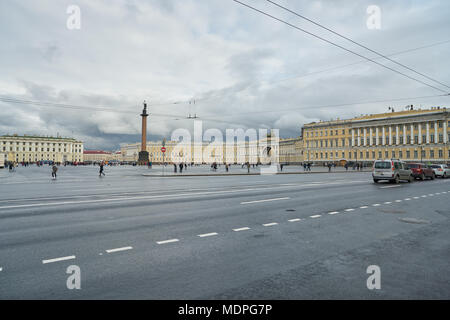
336,105
318,72
105,109
357,43
337,45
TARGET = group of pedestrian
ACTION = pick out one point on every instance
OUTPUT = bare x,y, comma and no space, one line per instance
180,166
306,166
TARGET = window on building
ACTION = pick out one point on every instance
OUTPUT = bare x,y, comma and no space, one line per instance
432,138
416,154
416,139
441,138
424,138
386,154
440,124
400,154
379,154
408,154
393,154
431,154
441,154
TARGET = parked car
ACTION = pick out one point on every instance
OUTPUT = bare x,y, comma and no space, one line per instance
441,170
421,171
392,170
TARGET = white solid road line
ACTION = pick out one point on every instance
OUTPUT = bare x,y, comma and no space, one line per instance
316,216
119,249
241,229
208,234
295,220
58,259
270,224
265,200
396,186
167,241
333,212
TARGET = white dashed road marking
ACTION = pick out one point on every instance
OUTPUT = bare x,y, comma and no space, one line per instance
241,229
376,205
270,224
167,241
363,207
349,210
334,212
265,200
294,220
398,200
316,216
388,202
58,259
396,186
118,249
208,234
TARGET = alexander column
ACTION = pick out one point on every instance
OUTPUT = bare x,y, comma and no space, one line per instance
143,155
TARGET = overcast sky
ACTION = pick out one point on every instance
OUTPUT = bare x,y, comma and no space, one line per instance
242,68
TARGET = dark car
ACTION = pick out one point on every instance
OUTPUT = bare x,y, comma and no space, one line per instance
421,171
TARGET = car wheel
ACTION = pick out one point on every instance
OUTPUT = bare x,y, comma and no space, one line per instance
396,180
410,179
375,180
433,176
444,176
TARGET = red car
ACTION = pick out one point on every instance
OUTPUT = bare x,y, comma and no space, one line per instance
421,171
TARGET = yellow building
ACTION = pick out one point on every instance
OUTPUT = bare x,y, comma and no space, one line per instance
34,148
204,153
291,151
413,135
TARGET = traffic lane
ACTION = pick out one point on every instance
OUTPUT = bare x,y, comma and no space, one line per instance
413,265
86,185
206,267
184,216
58,241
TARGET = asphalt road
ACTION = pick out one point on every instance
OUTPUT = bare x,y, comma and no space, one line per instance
229,237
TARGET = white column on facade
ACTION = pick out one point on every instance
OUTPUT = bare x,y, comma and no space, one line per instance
436,132
370,136
365,137
420,133
445,132
404,134
353,137
428,132
397,135
412,134
358,136
384,136
377,142
390,135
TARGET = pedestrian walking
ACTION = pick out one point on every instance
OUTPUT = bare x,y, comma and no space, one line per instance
54,170
174,168
329,167
181,168
101,170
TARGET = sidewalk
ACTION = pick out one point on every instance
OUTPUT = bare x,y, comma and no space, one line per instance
236,170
